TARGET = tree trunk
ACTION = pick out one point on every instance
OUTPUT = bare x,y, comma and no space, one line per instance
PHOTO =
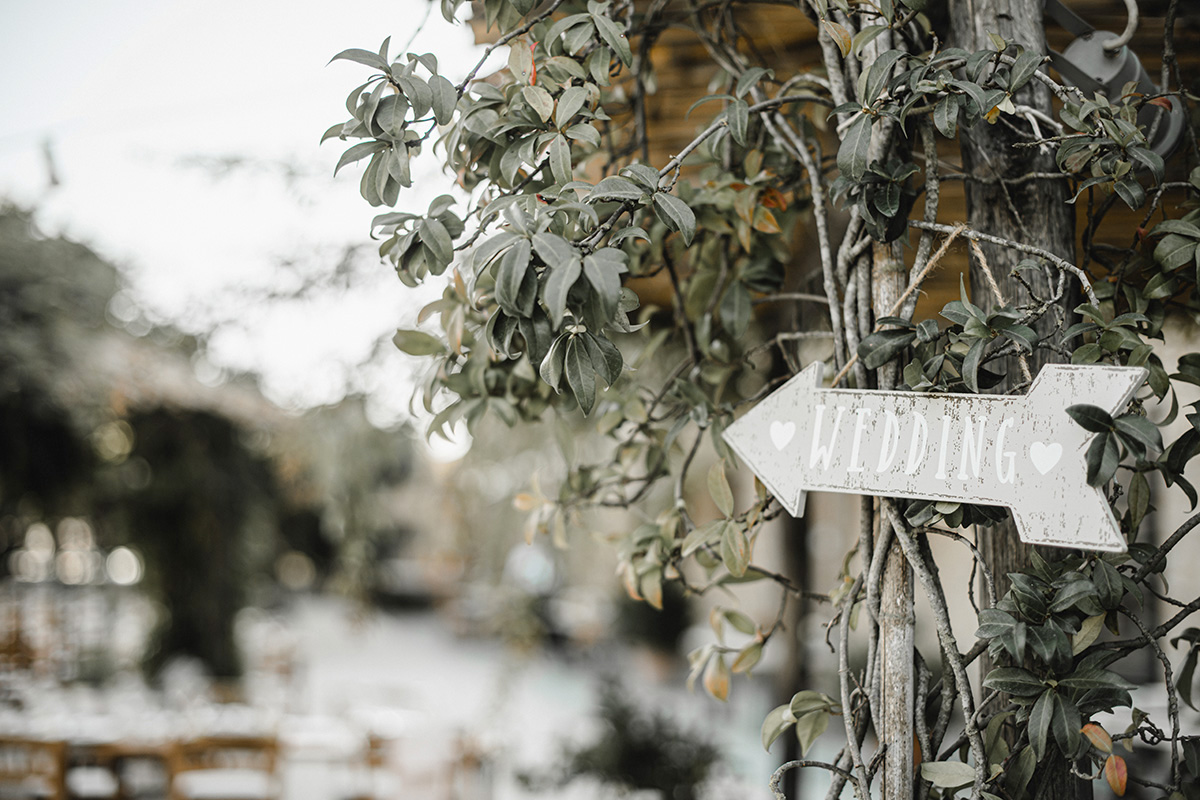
1033,211
896,618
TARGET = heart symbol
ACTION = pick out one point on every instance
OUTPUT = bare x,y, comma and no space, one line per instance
782,433
1045,456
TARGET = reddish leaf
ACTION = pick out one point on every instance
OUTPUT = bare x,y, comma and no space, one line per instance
1098,737
1116,774
1161,102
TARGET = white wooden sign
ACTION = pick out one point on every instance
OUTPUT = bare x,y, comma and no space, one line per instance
1022,452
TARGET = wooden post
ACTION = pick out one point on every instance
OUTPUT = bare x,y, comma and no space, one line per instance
896,620
1035,212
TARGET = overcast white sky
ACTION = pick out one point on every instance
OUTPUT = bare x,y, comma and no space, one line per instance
134,96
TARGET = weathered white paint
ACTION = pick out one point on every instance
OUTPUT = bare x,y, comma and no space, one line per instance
1025,453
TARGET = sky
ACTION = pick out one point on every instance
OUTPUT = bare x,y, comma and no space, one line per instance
183,143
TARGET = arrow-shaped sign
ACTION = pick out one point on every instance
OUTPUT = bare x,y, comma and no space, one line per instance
1024,452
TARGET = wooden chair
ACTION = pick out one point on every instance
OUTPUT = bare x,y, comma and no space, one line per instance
31,768
224,768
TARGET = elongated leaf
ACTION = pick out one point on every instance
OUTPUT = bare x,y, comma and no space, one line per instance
1039,723
1091,418
418,343
1065,724
361,56
948,774
738,115
718,488
1022,70
551,368
539,100
615,187
560,159
558,285
613,36
1015,681
852,154
809,728
581,375
676,215
777,721
445,99
357,153
879,74
569,104
945,116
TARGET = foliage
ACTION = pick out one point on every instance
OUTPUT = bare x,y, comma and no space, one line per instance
568,214
640,750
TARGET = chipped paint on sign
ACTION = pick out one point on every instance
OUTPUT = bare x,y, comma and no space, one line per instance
1023,452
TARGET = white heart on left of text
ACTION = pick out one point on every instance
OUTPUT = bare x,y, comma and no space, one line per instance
782,433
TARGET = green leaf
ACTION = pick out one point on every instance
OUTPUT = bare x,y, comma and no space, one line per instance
560,159
1086,679
614,36
435,236
881,347
750,77
512,277
1022,70
945,116
418,343
718,488
852,154
1186,673
1072,593
738,116
676,215
710,533
581,375
445,99
615,187
948,774
362,57
809,728
558,285
1015,681
539,100
1131,192
735,309
735,550
569,103
604,275
1039,723
864,37
551,368
1089,631
1102,459
1065,723
358,152
1174,251
879,74
777,721
1091,418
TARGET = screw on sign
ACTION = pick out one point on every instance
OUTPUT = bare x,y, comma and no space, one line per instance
1023,452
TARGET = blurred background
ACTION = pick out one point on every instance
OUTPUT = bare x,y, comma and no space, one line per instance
230,564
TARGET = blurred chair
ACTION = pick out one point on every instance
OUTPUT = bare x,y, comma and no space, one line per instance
30,768
224,768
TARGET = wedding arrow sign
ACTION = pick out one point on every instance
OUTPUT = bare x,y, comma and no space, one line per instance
1023,452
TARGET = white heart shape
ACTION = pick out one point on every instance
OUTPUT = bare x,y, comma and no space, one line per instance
1045,456
782,433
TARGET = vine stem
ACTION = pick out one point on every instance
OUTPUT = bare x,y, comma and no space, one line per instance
941,613
1061,263
913,285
